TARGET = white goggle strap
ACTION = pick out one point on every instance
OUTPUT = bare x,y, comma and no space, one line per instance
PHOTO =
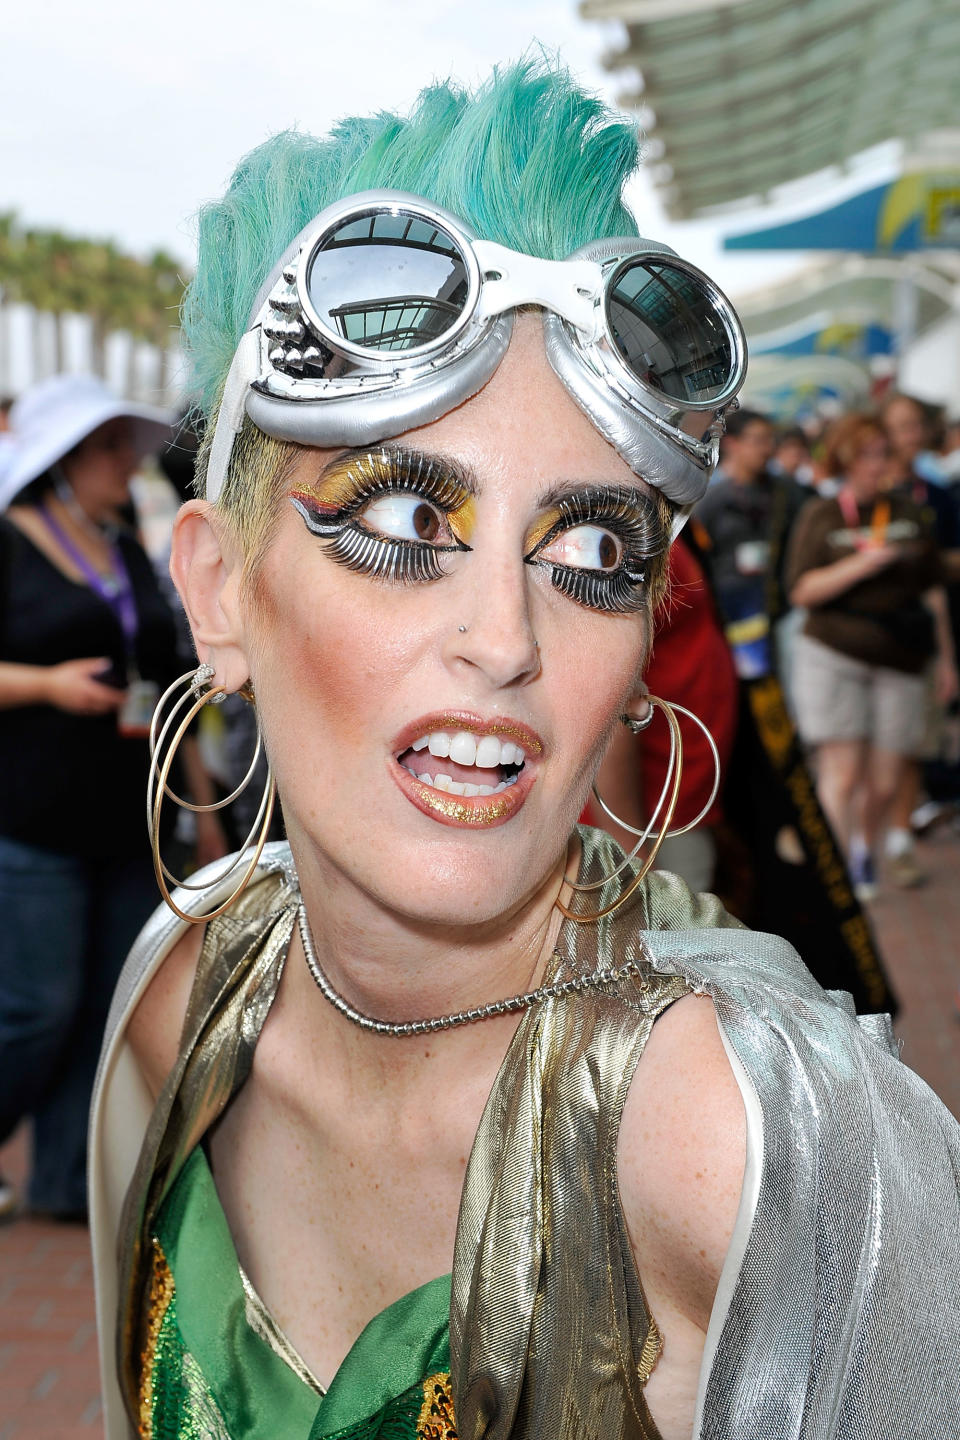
233,408
570,288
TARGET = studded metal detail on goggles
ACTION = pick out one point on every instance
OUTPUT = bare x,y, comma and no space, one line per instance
386,312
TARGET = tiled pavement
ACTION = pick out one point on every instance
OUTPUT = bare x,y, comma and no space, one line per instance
48,1369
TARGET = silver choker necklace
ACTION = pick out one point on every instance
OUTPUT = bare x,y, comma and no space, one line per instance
594,981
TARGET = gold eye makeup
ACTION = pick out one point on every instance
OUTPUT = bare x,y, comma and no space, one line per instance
395,514
392,514
594,542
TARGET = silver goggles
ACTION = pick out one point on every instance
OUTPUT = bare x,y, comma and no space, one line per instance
386,312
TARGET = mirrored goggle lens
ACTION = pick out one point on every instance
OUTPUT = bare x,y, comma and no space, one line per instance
669,330
388,281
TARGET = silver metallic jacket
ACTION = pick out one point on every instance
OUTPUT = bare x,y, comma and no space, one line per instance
837,1316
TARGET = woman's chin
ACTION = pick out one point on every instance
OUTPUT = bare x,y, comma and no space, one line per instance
460,903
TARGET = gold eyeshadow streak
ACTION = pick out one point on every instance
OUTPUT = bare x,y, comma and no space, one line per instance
463,519
541,528
352,479
344,483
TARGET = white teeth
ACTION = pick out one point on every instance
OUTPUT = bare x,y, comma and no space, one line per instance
489,752
463,748
454,787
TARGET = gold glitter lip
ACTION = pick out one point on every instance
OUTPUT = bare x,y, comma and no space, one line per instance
453,808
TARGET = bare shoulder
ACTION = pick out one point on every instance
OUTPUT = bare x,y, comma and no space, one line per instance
153,1030
681,1157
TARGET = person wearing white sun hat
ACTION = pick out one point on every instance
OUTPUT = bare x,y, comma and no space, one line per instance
86,642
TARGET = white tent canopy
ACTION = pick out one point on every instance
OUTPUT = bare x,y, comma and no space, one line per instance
743,96
850,287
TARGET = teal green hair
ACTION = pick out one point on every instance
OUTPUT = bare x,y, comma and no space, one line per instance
529,160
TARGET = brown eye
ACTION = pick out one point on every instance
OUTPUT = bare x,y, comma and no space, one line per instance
426,523
585,547
406,516
607,553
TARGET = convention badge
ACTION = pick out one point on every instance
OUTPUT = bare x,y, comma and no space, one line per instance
749,641
752,557
136,712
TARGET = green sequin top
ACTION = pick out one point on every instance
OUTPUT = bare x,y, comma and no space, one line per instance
214,1366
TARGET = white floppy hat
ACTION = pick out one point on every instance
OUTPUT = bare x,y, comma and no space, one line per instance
50,418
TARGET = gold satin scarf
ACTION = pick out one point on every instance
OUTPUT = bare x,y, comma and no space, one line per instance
550,1332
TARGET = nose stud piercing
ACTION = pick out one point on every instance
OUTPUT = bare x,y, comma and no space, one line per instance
464,628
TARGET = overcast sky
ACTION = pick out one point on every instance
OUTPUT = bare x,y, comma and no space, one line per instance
117,119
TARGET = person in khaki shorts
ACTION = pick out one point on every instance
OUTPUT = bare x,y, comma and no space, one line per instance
868,571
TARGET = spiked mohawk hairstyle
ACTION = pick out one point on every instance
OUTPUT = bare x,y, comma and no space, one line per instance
529,160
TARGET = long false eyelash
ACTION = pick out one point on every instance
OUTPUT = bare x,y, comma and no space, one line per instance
619,593
403,562
634,519
634,515
382,473
389,472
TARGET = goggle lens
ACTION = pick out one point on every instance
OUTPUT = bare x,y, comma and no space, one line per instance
400,281
669,330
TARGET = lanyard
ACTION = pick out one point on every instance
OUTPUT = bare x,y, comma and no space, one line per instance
115,590
879,517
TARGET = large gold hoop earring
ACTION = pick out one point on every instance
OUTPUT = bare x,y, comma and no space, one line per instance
668,796
200,691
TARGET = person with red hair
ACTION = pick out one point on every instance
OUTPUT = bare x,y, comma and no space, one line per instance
867,568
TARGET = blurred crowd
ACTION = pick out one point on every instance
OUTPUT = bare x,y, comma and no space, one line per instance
811,623
834,557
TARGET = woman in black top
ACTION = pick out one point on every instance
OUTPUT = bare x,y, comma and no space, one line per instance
87,642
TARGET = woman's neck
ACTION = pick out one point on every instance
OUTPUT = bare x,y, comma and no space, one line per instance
83,513
77,536
396,968
862,497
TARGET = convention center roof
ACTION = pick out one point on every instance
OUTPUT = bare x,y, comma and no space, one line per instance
739,97
822,334
846,291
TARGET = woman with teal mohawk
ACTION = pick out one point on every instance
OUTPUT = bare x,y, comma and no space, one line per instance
446,1117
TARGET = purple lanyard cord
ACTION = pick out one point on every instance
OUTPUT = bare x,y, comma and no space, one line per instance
117,593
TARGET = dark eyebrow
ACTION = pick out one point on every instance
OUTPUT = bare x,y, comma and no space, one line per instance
459,472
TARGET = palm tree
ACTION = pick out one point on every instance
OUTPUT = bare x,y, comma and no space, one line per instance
7,297
58,275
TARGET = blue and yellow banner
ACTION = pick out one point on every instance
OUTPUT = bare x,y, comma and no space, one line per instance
920,211
854,340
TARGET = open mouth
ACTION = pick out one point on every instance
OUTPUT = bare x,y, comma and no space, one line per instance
460,763
462,770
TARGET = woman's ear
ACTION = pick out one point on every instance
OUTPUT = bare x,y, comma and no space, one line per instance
207,572
638,712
